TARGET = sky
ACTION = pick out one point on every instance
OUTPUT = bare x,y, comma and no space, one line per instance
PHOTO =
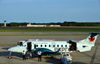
46,11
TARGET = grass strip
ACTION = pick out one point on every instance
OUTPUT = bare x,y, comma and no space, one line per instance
47,29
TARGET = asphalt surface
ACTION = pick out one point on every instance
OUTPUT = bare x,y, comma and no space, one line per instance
44,32
89,57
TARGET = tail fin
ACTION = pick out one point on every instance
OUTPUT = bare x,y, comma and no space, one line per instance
91,39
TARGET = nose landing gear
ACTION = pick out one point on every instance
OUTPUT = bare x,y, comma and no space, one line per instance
9,57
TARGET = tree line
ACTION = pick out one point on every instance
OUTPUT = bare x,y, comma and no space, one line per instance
65,23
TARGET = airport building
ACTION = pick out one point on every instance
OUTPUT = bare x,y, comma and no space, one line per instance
29,25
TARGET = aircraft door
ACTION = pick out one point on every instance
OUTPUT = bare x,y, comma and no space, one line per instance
34,49
34,46
29,46
72,46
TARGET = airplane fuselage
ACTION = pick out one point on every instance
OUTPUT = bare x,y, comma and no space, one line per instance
65,46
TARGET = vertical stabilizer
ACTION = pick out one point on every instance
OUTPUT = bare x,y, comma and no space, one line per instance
91,39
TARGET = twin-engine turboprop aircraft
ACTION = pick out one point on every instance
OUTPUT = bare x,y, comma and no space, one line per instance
50,47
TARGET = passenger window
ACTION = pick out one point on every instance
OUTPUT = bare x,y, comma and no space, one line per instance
53,45
49,45
65,45
41,45
57,45
61,45
36,45
45,45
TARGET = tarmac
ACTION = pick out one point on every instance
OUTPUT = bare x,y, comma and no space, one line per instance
89,57
44,32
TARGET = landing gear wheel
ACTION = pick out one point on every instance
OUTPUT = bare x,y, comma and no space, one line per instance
9,57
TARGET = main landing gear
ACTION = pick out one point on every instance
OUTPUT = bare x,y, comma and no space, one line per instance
51,57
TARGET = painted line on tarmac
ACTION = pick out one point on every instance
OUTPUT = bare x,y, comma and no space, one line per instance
93,57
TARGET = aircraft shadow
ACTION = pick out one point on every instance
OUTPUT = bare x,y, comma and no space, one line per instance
48,59
6,48
6,53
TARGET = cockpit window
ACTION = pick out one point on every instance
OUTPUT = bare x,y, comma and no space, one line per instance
19,43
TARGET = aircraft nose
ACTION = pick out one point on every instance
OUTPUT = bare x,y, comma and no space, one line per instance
9,49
